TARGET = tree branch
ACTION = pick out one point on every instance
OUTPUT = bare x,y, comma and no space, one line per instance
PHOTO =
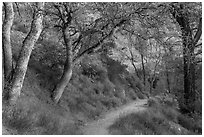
99,42
198,33
199,52
200,44
198,61
60,15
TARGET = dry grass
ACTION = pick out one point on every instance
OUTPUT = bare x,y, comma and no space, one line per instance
159,119
35,113
38,119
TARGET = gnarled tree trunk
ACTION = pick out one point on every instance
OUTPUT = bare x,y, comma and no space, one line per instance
6,42
67,73
28,44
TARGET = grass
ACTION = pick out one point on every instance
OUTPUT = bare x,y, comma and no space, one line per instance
159,119
35,113
145,123
38,120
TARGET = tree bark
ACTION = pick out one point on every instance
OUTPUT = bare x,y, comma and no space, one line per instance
23,59
188,91
151,80
150,90
67,73
167,80
133,64
6,42
143,70
136,72
188,56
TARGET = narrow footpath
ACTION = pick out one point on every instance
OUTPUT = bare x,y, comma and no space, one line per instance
100,126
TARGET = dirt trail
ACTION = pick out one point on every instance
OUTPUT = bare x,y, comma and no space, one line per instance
100,127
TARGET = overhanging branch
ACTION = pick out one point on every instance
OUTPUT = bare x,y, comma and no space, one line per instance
100,41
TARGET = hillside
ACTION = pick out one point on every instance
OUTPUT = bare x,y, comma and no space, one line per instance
35,112
93,90
161,117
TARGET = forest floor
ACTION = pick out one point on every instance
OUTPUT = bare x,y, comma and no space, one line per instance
100,126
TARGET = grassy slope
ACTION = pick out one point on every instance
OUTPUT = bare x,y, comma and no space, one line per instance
159,118
35,113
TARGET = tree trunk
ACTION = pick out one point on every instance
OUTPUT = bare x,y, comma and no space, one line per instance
59,89
3,74
192,66
133,64
150,91
192,97
6,42
150,80
136,72
168,81
188,56
67,73
143,70
28,44
187,77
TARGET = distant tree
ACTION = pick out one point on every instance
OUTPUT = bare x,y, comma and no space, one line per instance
143,47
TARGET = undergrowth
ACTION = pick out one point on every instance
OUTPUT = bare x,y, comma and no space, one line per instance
98,84
37,121
89,94
161,118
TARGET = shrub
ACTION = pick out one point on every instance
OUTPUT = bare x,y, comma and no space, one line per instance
134,83
190,124
159,118
30,116
131,94
18,119
152,102
140,95
94,72
170,113
142,123
198,106
55,125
